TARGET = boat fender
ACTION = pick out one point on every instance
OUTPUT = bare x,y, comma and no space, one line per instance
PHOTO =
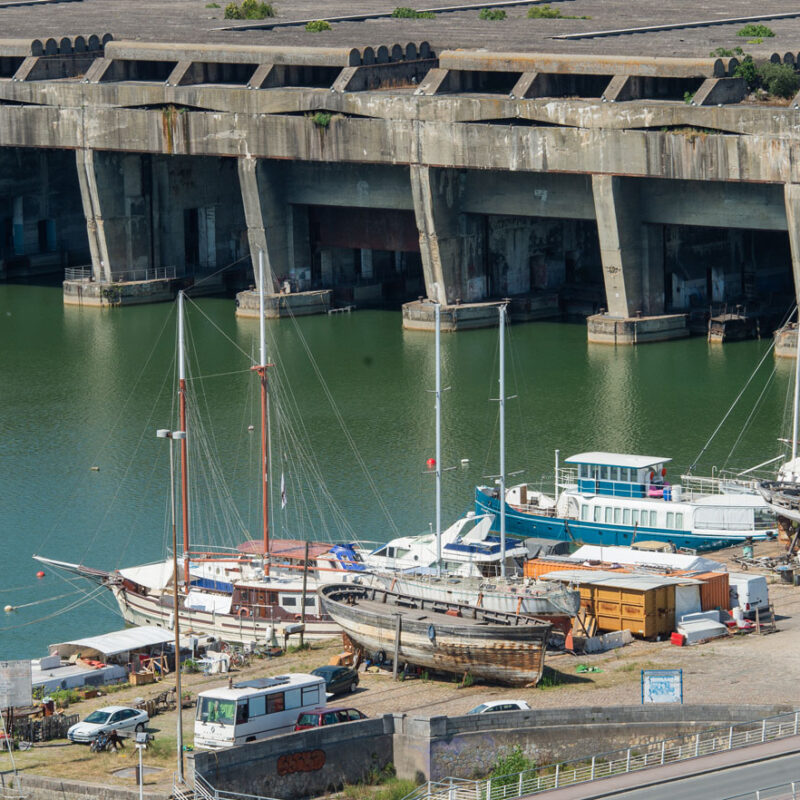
432,633
243,612
380,657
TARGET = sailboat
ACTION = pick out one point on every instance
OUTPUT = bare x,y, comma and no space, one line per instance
467,564
247,595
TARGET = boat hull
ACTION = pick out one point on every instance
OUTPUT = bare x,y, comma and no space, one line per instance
510,654
138,609
552,603
585,532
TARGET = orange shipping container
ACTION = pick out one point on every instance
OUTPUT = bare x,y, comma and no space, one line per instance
714,591
536,567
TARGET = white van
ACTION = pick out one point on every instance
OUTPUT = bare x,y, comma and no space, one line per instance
254,709
748,592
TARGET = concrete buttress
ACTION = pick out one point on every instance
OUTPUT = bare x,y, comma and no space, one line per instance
791,193
451,244
629,250
90,199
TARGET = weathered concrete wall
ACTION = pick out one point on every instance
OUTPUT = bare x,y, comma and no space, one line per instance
308,763
39,787
303,764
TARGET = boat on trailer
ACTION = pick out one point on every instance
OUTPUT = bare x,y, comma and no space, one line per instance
493,646
617,498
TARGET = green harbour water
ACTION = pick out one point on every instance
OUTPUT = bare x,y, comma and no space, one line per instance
83,388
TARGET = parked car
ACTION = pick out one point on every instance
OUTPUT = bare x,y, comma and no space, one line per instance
104,720
500,705
327,716
337,679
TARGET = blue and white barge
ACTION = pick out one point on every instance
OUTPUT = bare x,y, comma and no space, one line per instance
616,498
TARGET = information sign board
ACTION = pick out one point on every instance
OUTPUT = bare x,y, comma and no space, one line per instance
15,684
662,685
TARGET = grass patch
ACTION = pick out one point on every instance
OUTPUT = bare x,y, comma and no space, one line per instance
545,12
317,26
492,14
550,679
753,31
402,12
212,5
299,648
722,52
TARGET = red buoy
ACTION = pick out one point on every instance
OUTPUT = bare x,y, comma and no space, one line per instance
431,462
40,574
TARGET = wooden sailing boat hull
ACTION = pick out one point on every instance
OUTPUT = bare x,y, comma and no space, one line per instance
511,654
139,609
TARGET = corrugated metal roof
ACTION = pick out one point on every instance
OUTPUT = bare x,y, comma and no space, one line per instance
616,460
110,644
617,580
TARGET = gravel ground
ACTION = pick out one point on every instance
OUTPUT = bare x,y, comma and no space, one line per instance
747,669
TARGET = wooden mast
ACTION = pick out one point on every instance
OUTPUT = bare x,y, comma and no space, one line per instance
261,369
184,447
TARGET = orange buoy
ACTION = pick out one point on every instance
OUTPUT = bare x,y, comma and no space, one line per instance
40,574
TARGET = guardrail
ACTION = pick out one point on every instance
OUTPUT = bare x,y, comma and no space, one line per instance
617,762
784,791
149,274
203,790
78,274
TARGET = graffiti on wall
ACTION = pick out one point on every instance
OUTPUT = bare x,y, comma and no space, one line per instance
306,761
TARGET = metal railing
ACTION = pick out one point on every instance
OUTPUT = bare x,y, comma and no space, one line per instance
78,273
617,762
149,274
205,791
784,791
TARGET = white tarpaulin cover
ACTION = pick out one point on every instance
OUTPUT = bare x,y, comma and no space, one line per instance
111,644
216,603
687,600
627,555
618,580
152,576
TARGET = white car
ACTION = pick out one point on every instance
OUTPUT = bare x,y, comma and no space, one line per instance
500,705
105,720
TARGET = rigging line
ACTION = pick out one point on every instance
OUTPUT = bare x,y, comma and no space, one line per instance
219,330
340,420
749,421
111,432
73,583
48,599
127,471
71,607
733,405
216,272
218,375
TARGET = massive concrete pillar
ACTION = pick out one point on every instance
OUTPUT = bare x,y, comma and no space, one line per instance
451,245
95,228
791,195
619,228
633,268
268,217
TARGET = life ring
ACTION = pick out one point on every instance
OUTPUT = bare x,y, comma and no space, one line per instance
243,612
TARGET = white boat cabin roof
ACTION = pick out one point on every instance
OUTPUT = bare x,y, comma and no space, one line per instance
249,687
616,460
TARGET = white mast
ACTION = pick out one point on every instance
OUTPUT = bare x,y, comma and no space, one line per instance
796,393
437,318
502,381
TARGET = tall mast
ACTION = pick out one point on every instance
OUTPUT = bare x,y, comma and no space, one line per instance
184,448
796,393
437,309
261,369
502,382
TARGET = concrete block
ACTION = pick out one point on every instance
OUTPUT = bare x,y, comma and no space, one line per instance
295,304
716,91
620,87
436,81
605,329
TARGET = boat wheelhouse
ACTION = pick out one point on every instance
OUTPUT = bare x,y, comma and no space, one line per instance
615,498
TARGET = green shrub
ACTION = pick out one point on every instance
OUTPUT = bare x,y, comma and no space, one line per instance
780,80
748,70
402,12
722,52
317,26
544,12
507,767
759,31
249,9
688,97
492,13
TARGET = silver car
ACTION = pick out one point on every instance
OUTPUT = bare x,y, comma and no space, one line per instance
105,720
